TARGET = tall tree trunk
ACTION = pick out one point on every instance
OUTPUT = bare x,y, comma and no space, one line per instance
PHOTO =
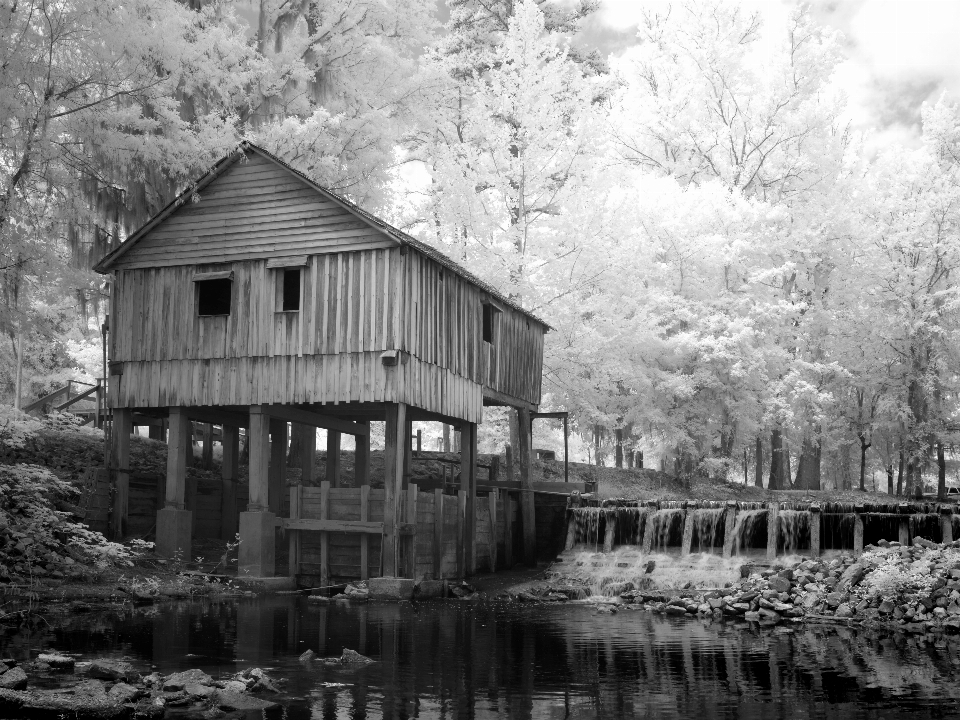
786,476
900,476
618,450
864,446
775,481
808,466
758,474
890,479
941,473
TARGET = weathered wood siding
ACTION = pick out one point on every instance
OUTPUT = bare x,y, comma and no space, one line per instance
255,209
362,293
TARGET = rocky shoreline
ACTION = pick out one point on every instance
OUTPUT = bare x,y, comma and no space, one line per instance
112,689
914,588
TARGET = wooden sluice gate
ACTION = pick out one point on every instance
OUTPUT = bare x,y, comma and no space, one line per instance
731,528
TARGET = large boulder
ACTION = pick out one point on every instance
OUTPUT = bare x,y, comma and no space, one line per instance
13,679
230,701
115,670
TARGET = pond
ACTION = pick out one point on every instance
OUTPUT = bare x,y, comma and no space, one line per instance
482,660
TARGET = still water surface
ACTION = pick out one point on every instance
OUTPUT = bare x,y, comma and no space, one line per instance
469,660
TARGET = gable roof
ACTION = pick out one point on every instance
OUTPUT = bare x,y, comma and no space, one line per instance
108,261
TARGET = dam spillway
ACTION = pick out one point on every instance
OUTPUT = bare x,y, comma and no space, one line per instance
732,528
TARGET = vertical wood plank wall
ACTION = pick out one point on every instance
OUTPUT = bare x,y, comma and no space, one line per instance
356,305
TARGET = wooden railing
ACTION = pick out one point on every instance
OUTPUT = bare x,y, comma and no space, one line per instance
68,396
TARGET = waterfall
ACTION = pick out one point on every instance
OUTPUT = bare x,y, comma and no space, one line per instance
664,523
587,520
708,525
794,527
743,528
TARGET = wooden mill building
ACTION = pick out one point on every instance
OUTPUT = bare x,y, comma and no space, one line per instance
258,298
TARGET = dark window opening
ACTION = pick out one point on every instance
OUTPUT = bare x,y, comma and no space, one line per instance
291,289
213,297
489,323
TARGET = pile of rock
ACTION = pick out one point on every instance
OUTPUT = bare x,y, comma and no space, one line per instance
916,586
115,689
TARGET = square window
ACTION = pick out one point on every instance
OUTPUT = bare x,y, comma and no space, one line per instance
213,297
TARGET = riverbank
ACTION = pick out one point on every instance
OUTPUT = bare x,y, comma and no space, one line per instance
914,588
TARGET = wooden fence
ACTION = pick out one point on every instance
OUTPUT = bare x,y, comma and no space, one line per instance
334,533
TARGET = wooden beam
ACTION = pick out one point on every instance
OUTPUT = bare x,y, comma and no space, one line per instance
333,458
258,445
217,417
361,467
411,539
492,498
228,486
296,502
324,538
207,455
277,472
497,398
289,413
392,485
364,539
407,451
178,448
437,533
527,507
468,481
120,464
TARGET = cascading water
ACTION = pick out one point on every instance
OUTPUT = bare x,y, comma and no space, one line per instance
587,523
744,528
630,525
665,523
708,526
794,529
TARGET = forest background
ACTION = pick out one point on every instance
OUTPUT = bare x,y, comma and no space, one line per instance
740,283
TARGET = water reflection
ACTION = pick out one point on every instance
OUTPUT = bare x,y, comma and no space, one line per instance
452,660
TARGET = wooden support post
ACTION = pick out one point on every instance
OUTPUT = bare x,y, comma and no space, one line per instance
296,502
333,458
308,455
494,472
393,453
155,432
324,536
364,537
258,525
438,533
773,529
815,531
362,461
228,483
686,544
508,451
946,524
411,539
446,438
173,520
729,524
468,481
461,522
492,498
419,442
277,473
258,449
178,448
509,511
207,454
407,450
120,464
610,528
904,528
527,501
858,531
